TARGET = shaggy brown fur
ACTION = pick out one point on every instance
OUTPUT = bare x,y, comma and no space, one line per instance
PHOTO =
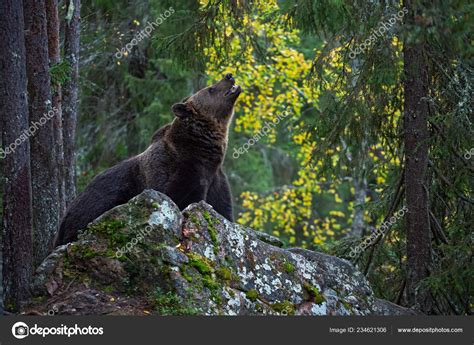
184,161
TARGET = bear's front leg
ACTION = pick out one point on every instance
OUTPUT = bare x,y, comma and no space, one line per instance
219,195
187,190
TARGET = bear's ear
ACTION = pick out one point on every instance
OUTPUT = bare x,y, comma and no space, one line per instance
182,110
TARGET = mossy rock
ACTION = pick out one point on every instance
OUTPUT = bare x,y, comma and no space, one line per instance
148,258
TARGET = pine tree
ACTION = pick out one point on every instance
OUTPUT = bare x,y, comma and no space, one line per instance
416,137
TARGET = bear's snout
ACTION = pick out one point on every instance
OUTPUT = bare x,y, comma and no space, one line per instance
229,76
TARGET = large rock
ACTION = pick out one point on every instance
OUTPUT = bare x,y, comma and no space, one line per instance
146,257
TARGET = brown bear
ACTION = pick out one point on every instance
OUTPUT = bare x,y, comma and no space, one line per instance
184,161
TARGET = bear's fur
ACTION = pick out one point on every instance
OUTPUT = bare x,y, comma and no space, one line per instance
184,161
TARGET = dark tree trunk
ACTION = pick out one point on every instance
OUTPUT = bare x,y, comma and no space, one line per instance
17,212
43,148
70,92
54,59
416,137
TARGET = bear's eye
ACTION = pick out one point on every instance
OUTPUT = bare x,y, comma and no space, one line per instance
211,90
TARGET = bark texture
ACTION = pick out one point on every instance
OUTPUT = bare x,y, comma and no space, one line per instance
41,117
17,212
416,140
54,53
70,94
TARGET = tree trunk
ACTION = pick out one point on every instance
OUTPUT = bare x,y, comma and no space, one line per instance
43,148
17,212
70,92
416,138
358,167
54,53
360,195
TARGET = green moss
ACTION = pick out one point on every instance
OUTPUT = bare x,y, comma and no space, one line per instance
171,304
108,288
70,273
212,231
68,267
210,283
157,247
228,259
313,291
39,299
111,229
89,253
346,305
224,273
252,295
288,267
204,267
195,220
10,306
207,216
107,227
285,307
186,275
86,252
110,253
200,263
216,297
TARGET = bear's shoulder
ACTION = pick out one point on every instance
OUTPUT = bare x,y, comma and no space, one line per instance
160,133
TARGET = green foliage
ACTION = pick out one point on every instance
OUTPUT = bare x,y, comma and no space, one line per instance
339,154
60,73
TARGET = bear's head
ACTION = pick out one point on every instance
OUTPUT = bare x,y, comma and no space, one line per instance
216,101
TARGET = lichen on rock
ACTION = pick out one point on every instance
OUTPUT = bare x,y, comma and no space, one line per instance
146,257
